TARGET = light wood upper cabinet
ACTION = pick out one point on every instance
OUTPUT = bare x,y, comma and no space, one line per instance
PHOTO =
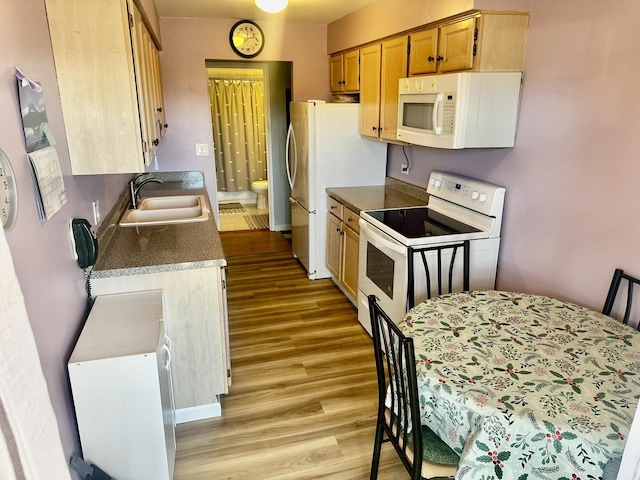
381,67
109,84
456,46
370,90
483,42
394,67
424,50
345,72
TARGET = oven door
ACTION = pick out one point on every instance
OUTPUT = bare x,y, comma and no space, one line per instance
382,272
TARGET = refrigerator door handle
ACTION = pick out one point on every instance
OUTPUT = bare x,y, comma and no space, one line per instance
291,140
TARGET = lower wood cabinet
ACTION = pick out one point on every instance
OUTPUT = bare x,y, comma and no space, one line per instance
196,306
343,241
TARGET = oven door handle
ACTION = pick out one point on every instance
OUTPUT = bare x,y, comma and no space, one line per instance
378,238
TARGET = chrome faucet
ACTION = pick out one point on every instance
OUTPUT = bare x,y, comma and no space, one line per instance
135,187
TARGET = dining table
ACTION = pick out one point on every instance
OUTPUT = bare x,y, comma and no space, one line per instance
524,386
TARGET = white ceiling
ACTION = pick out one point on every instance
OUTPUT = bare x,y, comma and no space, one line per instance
299,11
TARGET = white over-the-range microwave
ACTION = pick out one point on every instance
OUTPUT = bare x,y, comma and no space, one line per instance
459,110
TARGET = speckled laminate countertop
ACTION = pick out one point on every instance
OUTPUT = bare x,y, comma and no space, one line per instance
158,248
394,194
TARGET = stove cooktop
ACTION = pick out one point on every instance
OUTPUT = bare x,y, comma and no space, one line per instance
420,222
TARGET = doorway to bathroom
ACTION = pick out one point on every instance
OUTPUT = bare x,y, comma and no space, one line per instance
249,112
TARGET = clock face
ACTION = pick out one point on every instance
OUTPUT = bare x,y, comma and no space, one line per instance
8,193
246,38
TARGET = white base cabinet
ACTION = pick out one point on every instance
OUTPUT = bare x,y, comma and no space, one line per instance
120,373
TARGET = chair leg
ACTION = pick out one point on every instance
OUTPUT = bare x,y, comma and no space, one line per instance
377,446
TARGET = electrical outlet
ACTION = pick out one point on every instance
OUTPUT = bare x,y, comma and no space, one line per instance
405,169
96,211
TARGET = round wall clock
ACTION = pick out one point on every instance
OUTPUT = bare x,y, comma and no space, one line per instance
8,193
246,38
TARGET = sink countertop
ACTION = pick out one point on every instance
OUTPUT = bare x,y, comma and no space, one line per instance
393,194
158,248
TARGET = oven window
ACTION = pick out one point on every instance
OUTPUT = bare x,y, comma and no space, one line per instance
418,115
380,269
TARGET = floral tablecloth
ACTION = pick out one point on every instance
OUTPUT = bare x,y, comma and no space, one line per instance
524,386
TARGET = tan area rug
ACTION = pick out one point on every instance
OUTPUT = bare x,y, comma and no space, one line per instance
257,222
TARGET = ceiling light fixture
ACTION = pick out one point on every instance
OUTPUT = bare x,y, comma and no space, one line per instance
272,6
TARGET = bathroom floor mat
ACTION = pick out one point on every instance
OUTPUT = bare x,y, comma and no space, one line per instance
234,207
258,222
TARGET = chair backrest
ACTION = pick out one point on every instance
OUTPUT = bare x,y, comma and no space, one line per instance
434,260
397,385
618,277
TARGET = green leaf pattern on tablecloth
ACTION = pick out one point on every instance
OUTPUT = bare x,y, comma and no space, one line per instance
523,386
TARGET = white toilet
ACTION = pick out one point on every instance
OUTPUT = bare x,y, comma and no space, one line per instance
261,188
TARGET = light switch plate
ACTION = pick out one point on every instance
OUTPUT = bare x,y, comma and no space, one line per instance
202,150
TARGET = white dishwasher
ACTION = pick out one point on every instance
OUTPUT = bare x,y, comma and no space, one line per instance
120,373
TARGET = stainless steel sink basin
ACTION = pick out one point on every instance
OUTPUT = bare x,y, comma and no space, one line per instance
167,210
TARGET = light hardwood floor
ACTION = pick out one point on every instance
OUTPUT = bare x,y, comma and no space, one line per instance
303,400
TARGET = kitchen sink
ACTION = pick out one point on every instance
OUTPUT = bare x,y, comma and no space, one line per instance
180,201
166,210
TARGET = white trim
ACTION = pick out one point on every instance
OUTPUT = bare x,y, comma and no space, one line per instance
190,414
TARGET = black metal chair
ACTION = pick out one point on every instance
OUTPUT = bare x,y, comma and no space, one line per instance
440,252
618,276
400,420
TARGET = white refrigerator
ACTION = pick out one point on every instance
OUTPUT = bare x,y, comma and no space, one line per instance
325,149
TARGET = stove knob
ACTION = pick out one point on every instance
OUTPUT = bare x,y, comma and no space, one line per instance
483,197
475,195
437,183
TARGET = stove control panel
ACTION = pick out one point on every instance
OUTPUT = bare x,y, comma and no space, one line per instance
477,195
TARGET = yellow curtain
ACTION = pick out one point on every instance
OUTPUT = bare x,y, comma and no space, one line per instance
239,136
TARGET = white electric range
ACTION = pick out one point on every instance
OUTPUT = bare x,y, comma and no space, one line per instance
459,208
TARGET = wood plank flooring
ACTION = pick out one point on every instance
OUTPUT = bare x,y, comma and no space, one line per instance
303,400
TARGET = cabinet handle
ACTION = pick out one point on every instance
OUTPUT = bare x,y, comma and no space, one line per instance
337,229
168,361
156,142
374,129
159,109
430,58
333,207
440,58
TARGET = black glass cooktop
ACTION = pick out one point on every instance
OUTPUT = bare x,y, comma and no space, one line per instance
420,222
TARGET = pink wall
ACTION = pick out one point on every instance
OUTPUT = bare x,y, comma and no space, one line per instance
51,282
572,211
189,42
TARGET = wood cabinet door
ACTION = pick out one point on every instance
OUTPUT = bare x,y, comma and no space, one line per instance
423,52
456,46
334,245
142,61
351,71
370,90
96,80
394,67
335,73
350,262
